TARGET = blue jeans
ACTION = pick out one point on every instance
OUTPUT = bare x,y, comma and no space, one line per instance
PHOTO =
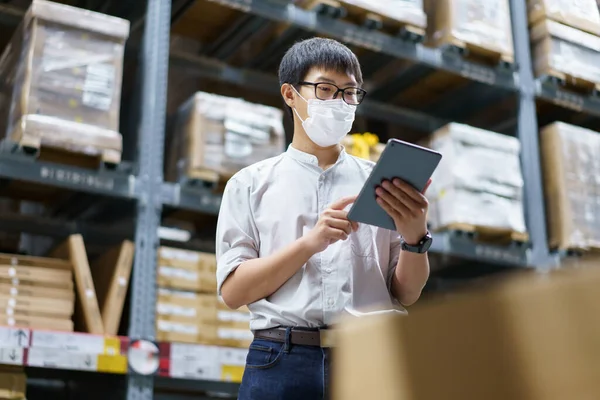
283,371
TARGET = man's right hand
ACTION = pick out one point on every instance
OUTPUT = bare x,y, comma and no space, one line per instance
333,225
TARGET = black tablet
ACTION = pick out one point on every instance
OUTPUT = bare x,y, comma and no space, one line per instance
411,163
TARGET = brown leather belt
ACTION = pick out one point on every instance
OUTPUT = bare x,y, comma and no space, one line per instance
303,337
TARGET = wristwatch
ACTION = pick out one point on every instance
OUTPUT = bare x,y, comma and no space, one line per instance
421,247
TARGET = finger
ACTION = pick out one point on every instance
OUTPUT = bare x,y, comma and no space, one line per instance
410,191
343,203
427,186
354,226
337,214
393,201
336,234
341,224
399,194
387,207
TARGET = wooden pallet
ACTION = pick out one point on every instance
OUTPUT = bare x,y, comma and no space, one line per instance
484,55
205,178
570,82
487,234
340,9
38,148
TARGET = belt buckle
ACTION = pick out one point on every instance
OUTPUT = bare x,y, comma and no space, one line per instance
327,337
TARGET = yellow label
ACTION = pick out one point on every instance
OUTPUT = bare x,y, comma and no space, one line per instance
232,373
112,364
112,346
73,103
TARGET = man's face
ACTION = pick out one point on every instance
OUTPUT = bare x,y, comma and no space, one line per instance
322,92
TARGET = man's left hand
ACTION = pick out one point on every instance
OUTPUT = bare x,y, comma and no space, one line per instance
407,206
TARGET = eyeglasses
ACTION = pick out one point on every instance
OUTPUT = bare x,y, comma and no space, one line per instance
328,91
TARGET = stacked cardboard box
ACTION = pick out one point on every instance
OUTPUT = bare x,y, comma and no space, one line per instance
571,166
565,42
13,383
188,309
479,180
216,136
483,27
64,70
527,337
36,292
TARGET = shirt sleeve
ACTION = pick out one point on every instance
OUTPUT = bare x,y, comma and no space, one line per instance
237,236
395,248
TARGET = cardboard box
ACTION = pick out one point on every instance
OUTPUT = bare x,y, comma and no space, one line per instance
216,136
37,275
529,337
111,275
581,14
190,332
187,270
479,180
559,50
31,322
13,385
481,26
64,70
571,170
36,307
39,292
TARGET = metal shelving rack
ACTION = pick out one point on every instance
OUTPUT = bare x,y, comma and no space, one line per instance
147,188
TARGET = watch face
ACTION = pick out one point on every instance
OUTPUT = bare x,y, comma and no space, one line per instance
426,244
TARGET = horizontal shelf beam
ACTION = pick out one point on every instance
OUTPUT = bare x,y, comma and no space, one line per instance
284,11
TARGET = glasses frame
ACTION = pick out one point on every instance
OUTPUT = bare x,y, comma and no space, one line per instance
343,91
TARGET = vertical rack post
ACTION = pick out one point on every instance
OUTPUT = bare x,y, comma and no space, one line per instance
154,63
535,216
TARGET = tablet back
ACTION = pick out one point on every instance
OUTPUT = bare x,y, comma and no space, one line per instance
408,162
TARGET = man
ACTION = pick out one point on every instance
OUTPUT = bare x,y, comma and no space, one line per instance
285,246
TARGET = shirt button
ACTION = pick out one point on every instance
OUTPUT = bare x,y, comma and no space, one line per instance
330,301
328,270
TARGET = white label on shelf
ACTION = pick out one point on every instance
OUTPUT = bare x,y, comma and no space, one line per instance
171,272
66,341
11,355
12,302
11,312
14,291
191,352
168,326
232,356
56,358
14,337
236,334
235,316
173,309
99,86
12,272
178,254
206,368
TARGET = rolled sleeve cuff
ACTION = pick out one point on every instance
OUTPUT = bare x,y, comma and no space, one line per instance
230,261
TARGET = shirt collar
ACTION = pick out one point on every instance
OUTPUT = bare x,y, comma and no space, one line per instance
307,158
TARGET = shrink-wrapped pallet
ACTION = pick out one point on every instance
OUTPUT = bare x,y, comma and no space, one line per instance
479,180
216,136
571,165
63,70
483,27
579,14
566,53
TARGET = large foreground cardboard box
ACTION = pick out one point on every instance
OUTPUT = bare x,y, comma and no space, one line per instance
532,337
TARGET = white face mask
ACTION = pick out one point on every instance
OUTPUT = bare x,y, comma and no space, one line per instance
328,120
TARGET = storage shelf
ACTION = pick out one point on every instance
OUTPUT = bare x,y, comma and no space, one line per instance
549,91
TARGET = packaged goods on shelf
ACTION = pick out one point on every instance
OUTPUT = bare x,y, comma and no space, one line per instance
187,270
482,27
64,68
571,166
365,145
216,136
479,180
566,53
519,312
190,317
580,14
36,292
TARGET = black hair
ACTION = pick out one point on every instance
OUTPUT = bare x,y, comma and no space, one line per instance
317,52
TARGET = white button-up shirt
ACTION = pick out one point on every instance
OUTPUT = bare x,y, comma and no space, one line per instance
271,204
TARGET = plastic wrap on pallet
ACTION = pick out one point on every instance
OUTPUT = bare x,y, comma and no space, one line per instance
479,180
67,63
476,23
579,14
561,49
223,135
406,11
571,166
